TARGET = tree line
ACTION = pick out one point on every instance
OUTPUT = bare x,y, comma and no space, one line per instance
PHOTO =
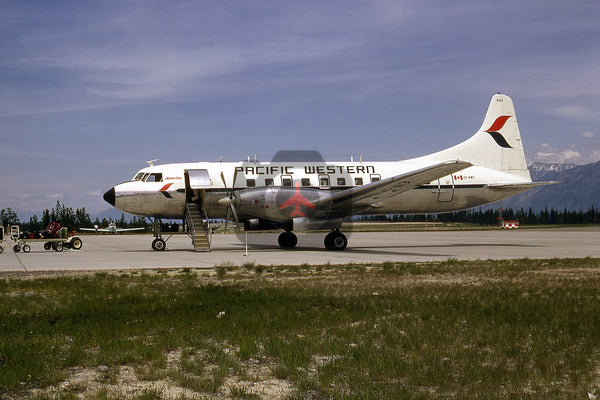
79,218
491,216
67,217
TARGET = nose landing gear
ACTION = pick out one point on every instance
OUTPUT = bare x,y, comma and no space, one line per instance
158,244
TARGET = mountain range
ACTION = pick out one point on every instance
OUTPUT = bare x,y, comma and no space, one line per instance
579,188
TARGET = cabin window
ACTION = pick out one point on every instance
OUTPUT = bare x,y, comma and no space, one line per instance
358,181
156,177
375,177
305,182
341,181
250,182
324,181
268,182
286,180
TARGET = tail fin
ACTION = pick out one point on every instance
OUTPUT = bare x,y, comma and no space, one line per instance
497,145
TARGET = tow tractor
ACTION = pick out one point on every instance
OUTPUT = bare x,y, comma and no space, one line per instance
54,237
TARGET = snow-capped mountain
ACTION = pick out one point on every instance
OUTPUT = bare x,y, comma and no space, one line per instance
547,171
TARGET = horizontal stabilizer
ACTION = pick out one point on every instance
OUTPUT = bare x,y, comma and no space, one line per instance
520,186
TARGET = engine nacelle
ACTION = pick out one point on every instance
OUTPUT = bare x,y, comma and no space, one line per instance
279,203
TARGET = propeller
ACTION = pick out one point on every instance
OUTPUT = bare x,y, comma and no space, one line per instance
229,201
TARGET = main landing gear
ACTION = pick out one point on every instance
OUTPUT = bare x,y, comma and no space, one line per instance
334,240
287,240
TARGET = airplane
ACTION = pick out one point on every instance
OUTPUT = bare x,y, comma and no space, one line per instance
294,196
112,228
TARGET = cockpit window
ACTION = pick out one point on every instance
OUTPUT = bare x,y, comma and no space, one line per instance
148,177
156,177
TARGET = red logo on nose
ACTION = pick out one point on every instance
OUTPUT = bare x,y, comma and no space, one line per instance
297,200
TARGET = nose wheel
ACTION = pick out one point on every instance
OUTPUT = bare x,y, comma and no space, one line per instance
159,244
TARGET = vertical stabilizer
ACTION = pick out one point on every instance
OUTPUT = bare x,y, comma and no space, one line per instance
501,125
496,145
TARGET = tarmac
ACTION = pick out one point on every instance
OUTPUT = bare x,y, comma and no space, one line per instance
109,252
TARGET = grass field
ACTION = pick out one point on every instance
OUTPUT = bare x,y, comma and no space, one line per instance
522,329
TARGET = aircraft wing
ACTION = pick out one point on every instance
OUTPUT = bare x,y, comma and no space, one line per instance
129,229
89,229
367,196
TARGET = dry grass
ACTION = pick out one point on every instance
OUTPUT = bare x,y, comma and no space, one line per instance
450,330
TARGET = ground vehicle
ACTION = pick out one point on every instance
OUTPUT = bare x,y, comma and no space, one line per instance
1,238
54,237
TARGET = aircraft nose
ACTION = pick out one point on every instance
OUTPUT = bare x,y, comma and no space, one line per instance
109,196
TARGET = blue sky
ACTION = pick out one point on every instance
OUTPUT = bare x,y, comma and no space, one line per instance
91,90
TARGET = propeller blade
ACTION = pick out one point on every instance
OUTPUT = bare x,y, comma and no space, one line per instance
224,182
226,219
234,179
229,200
237,222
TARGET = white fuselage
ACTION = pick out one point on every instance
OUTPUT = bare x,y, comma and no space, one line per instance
160,190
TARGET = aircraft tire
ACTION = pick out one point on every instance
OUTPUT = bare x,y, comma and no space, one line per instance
16,248
76,243
158,245
47,246
26,248
336,241
58,247
287,240
1,249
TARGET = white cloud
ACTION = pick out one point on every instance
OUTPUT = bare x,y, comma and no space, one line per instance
573,155
588,135
574,111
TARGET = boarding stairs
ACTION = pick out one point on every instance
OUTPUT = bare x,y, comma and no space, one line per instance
198,227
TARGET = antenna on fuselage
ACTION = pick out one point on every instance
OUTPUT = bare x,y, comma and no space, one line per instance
151,162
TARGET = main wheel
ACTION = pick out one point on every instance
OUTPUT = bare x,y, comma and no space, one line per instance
16,248
47,246
58,247
76,243
287,240
159,245
335,241
1,249
26,248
